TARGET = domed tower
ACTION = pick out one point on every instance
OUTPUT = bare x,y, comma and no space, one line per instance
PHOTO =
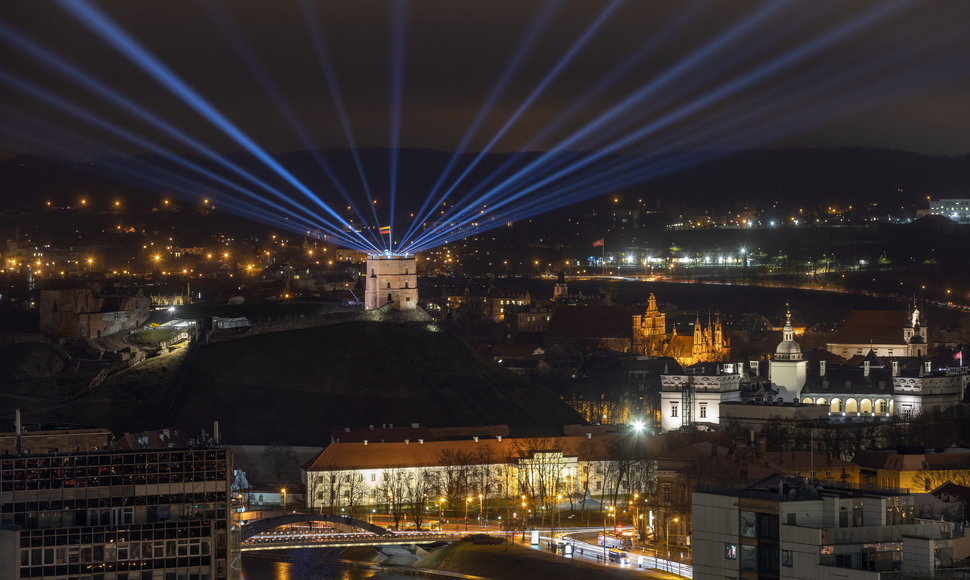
787,369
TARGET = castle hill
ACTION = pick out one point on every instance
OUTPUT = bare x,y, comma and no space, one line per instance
519,290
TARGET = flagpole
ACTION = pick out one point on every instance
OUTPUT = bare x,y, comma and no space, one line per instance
604,255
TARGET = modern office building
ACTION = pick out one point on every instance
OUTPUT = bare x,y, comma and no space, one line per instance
794,528
957,210
142,514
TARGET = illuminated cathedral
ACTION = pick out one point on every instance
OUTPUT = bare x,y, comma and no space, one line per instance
706,344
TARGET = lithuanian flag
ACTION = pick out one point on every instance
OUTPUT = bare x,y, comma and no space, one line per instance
385,230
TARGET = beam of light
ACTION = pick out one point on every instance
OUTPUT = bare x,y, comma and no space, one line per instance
133,51
397,46
74,110
740,122
231,33
64,68
616,74
588,33
329,74
725,90
710,49
880,82
144,174
512,66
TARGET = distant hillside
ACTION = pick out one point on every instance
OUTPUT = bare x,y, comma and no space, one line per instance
297,386
848,176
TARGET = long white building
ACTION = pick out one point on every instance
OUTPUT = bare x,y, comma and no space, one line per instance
349,477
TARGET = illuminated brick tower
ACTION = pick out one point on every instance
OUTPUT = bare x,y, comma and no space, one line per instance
650,329
391,278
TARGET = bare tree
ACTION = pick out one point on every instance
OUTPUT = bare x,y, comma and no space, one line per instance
393,489
328,490
420,490
279,459
454,474
354,490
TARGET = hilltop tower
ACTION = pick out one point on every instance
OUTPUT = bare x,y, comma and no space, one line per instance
391,279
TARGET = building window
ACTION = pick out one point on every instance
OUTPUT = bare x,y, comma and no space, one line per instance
748,525
673,409
730,551
787,558
703,411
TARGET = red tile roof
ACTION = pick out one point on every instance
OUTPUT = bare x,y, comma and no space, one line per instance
872,326
345,456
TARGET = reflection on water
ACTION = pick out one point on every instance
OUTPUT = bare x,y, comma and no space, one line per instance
258,568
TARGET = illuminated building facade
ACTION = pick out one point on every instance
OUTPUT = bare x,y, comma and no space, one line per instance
957,210
706,344
391,279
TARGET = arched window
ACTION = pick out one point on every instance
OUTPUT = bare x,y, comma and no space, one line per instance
389,299
836,406
405,285
851,406
388,284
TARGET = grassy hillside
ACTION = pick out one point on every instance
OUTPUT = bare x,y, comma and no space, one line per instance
296,386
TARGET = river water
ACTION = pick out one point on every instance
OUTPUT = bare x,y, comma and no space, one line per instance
257,568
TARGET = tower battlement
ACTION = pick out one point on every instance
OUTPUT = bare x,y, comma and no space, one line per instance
391,279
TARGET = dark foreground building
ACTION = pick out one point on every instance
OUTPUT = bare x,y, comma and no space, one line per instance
145,514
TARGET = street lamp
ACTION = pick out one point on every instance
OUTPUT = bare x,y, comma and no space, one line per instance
283,491
481,509
468,500
675,520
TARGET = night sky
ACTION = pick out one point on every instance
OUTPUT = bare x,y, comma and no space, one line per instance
455,52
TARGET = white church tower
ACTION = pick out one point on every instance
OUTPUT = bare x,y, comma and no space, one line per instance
787,368
391,279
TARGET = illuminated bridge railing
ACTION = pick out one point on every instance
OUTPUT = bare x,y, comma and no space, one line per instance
304,539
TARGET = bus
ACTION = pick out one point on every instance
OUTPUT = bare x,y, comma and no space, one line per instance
614,541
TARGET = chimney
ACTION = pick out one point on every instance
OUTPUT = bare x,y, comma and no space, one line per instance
475,438
215,432
415,425
821,368
895,368
420,441
865,369
346,429
392,425
498,438
365,442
